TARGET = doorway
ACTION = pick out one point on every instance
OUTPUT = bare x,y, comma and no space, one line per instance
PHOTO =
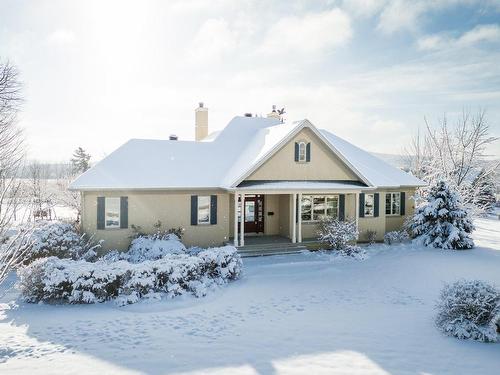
254,214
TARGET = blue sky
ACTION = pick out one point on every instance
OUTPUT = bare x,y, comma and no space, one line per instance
98,73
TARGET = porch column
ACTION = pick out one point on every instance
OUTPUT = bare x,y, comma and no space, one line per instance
356,208
294,221
299,229
235,233
242,226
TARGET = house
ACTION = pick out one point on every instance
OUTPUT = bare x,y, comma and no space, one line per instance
284,177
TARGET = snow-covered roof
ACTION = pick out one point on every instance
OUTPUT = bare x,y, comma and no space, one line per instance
223,160
304,186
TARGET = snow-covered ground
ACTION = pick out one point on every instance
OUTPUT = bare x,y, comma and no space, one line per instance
299,314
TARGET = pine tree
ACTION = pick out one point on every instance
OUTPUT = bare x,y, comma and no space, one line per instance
484,191
441,221
80,160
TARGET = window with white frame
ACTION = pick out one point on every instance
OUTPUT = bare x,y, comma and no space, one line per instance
112,212
392,203
317,207
369,205
302,151
203,209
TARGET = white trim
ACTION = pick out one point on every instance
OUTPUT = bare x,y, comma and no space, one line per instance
242,225
235,233
301,125
294,221
356,209
373,207
299,239
302,143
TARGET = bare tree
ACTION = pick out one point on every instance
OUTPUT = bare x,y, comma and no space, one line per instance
454,153
11,162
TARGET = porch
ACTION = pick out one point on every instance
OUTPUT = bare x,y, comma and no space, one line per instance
279,214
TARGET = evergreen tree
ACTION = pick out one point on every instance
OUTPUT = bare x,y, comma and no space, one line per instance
484,191
80,160
441,221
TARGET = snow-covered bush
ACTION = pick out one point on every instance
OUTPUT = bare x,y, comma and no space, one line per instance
338,235
396,236
442,221
68,281
152,248
468,310
371,236
58,239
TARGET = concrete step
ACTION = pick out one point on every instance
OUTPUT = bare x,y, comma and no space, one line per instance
270,251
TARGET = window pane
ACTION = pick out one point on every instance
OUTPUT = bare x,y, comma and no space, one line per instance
249,211
318,208
332,206
302,151
306,209
203,210
388,204
368,204
112,212
395,203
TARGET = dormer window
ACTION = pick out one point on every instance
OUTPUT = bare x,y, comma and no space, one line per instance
302,152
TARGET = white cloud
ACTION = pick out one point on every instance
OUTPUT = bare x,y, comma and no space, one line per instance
401,15
61,36
479,34
363,8
314,32
213,40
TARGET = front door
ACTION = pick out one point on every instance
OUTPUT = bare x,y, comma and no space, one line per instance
254,214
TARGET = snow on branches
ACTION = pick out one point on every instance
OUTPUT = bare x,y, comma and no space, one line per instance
442,221
468,310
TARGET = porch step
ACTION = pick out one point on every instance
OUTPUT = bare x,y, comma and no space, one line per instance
256,250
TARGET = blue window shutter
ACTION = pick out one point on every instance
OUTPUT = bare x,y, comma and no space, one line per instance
123,212
296,151
402,202
100,212
308,152
376,198
362,205
341,207
194,210
213,209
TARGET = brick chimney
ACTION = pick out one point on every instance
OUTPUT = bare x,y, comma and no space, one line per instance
200,122
274,114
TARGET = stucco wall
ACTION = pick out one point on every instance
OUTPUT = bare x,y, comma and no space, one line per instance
324,165
173,209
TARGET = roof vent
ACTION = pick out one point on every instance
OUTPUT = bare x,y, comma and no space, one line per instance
173,137
200,104
248,114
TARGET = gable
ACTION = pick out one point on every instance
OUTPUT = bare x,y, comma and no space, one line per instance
324,164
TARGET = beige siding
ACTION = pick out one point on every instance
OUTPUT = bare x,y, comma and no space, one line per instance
324,165
173,209
272,222
396,222
284,217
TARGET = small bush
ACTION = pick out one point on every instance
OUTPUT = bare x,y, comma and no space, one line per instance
397,236
468,310
371,236
338,235
68,281
61,240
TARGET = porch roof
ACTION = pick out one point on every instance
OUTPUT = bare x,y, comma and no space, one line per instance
302,186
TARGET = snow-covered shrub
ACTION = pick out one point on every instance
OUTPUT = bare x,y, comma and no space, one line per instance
152,247
337,234
442,221
371,236
396,236
59,239
68,281
468,310
223,263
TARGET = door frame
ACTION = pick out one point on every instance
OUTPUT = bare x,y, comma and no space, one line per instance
257,226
